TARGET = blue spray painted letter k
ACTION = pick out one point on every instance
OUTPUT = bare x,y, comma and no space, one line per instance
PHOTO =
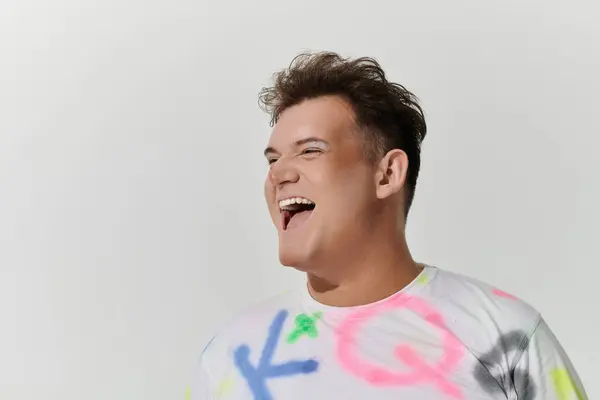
257,376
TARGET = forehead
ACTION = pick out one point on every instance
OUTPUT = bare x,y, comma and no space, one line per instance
329,118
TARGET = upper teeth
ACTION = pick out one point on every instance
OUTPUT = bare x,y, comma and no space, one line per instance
294,200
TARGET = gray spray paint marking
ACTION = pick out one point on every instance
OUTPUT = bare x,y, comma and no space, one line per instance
493,377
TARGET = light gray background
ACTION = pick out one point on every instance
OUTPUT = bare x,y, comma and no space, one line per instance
132,221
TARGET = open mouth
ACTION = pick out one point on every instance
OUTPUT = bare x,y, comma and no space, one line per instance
294,211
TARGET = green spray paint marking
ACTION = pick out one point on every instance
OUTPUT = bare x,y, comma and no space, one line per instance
188,394
564,385
305,325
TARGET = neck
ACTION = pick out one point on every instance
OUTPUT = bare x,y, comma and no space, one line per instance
377,270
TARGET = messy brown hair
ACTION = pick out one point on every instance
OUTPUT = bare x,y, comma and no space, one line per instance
387,113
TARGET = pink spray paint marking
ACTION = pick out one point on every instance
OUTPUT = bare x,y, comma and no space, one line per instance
502,293
422,372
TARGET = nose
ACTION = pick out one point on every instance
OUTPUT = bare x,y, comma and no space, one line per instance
282,173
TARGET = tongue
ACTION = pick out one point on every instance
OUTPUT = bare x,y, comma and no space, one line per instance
298,218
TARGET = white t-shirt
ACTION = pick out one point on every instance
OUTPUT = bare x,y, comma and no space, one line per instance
444,336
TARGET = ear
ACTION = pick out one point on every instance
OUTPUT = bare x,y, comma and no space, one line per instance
391,173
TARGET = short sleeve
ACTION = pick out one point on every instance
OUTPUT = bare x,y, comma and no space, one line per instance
544,370
201,382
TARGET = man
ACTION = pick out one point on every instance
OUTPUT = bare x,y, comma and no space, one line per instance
371,323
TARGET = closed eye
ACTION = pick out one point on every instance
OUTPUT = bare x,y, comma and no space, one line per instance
311,150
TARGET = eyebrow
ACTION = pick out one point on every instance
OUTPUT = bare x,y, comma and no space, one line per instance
298,143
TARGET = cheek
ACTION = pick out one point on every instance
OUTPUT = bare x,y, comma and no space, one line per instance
269,191
351,195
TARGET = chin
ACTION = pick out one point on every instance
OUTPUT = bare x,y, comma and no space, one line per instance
299,250
289,260
295,258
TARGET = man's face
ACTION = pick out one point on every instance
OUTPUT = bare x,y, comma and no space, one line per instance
320,190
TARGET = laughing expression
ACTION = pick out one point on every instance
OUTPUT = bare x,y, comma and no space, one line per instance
319,188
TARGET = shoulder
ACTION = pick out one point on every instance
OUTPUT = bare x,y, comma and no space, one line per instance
484,301
481,315
514,347
252,322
